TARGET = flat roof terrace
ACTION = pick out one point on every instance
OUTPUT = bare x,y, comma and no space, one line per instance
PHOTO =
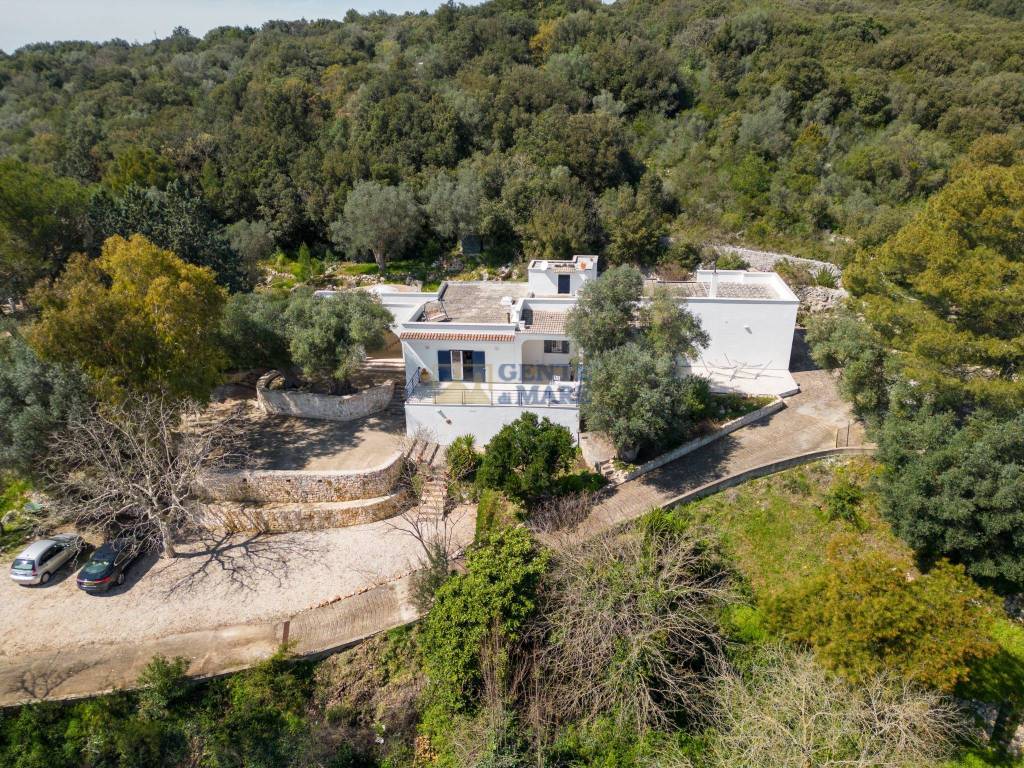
474,302
698,289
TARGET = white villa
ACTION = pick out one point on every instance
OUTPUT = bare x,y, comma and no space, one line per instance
479,354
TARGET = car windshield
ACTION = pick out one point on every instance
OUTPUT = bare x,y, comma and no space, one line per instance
96,567
22,565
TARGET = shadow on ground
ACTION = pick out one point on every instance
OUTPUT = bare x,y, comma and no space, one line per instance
800,360
246,559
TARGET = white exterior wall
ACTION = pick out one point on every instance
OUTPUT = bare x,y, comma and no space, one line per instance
498,357
754,333
444,423
542,278
534,354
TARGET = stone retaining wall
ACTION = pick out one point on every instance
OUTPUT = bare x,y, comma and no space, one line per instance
765,261
309,405
232,516
303,486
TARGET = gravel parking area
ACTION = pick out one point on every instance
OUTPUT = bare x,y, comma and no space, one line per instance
214,583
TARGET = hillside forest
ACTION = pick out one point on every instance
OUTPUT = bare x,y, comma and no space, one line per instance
168,207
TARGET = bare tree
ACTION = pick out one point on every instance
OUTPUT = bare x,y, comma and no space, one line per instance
131,468
790,713
628,625
429,520
561,513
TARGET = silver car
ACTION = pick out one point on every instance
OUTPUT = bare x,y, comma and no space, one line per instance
41,559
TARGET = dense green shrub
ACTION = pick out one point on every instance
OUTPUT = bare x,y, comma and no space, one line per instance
526,457
496,594
843,500
462,458
870,612
494,511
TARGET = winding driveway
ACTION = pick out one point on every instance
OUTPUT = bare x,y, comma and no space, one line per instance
814,421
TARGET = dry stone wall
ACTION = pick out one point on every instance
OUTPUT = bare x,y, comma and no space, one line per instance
303,486
233,516
309,405
765,261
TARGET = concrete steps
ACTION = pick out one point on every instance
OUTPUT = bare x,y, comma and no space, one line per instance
611,473
434,495
430,458
376,370
423,452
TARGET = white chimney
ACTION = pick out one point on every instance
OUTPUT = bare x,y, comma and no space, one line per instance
714,284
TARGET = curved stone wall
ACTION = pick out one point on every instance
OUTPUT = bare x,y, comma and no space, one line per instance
303,486
308,405
235,516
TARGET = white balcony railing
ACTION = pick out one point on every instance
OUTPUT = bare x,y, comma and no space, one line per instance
553,395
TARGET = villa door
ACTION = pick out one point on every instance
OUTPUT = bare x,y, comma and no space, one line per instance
461,365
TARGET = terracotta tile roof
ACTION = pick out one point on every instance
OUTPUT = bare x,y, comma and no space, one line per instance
454,336
543,321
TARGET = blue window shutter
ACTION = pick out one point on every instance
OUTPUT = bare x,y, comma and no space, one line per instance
479,367
444,365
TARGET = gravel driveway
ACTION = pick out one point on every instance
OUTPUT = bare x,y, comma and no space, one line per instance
219,582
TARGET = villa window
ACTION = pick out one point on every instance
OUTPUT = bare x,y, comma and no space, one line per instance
556,347
563,283
461,365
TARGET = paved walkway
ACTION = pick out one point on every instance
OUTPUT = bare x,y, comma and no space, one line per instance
813,420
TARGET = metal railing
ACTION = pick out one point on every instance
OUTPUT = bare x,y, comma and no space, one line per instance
555,395
410,385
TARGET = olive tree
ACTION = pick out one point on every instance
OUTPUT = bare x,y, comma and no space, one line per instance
378,218
328,337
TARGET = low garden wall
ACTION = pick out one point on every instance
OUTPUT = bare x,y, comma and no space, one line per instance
309,405
771,468
304,486
232,517
692,445
765,261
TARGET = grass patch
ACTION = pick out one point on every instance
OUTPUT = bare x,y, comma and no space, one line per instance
356,268
732,406
14,528
776,528
1001,677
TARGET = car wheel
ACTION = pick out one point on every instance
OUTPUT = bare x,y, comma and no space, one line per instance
120,578
45,577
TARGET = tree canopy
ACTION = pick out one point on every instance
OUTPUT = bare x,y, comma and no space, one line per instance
36,398
870,612
43,219
785,125
379,219
328,337
946,293
958,491
138,317
525,458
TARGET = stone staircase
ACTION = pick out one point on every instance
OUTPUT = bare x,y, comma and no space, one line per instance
424,452
430,459
376,370
613,474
